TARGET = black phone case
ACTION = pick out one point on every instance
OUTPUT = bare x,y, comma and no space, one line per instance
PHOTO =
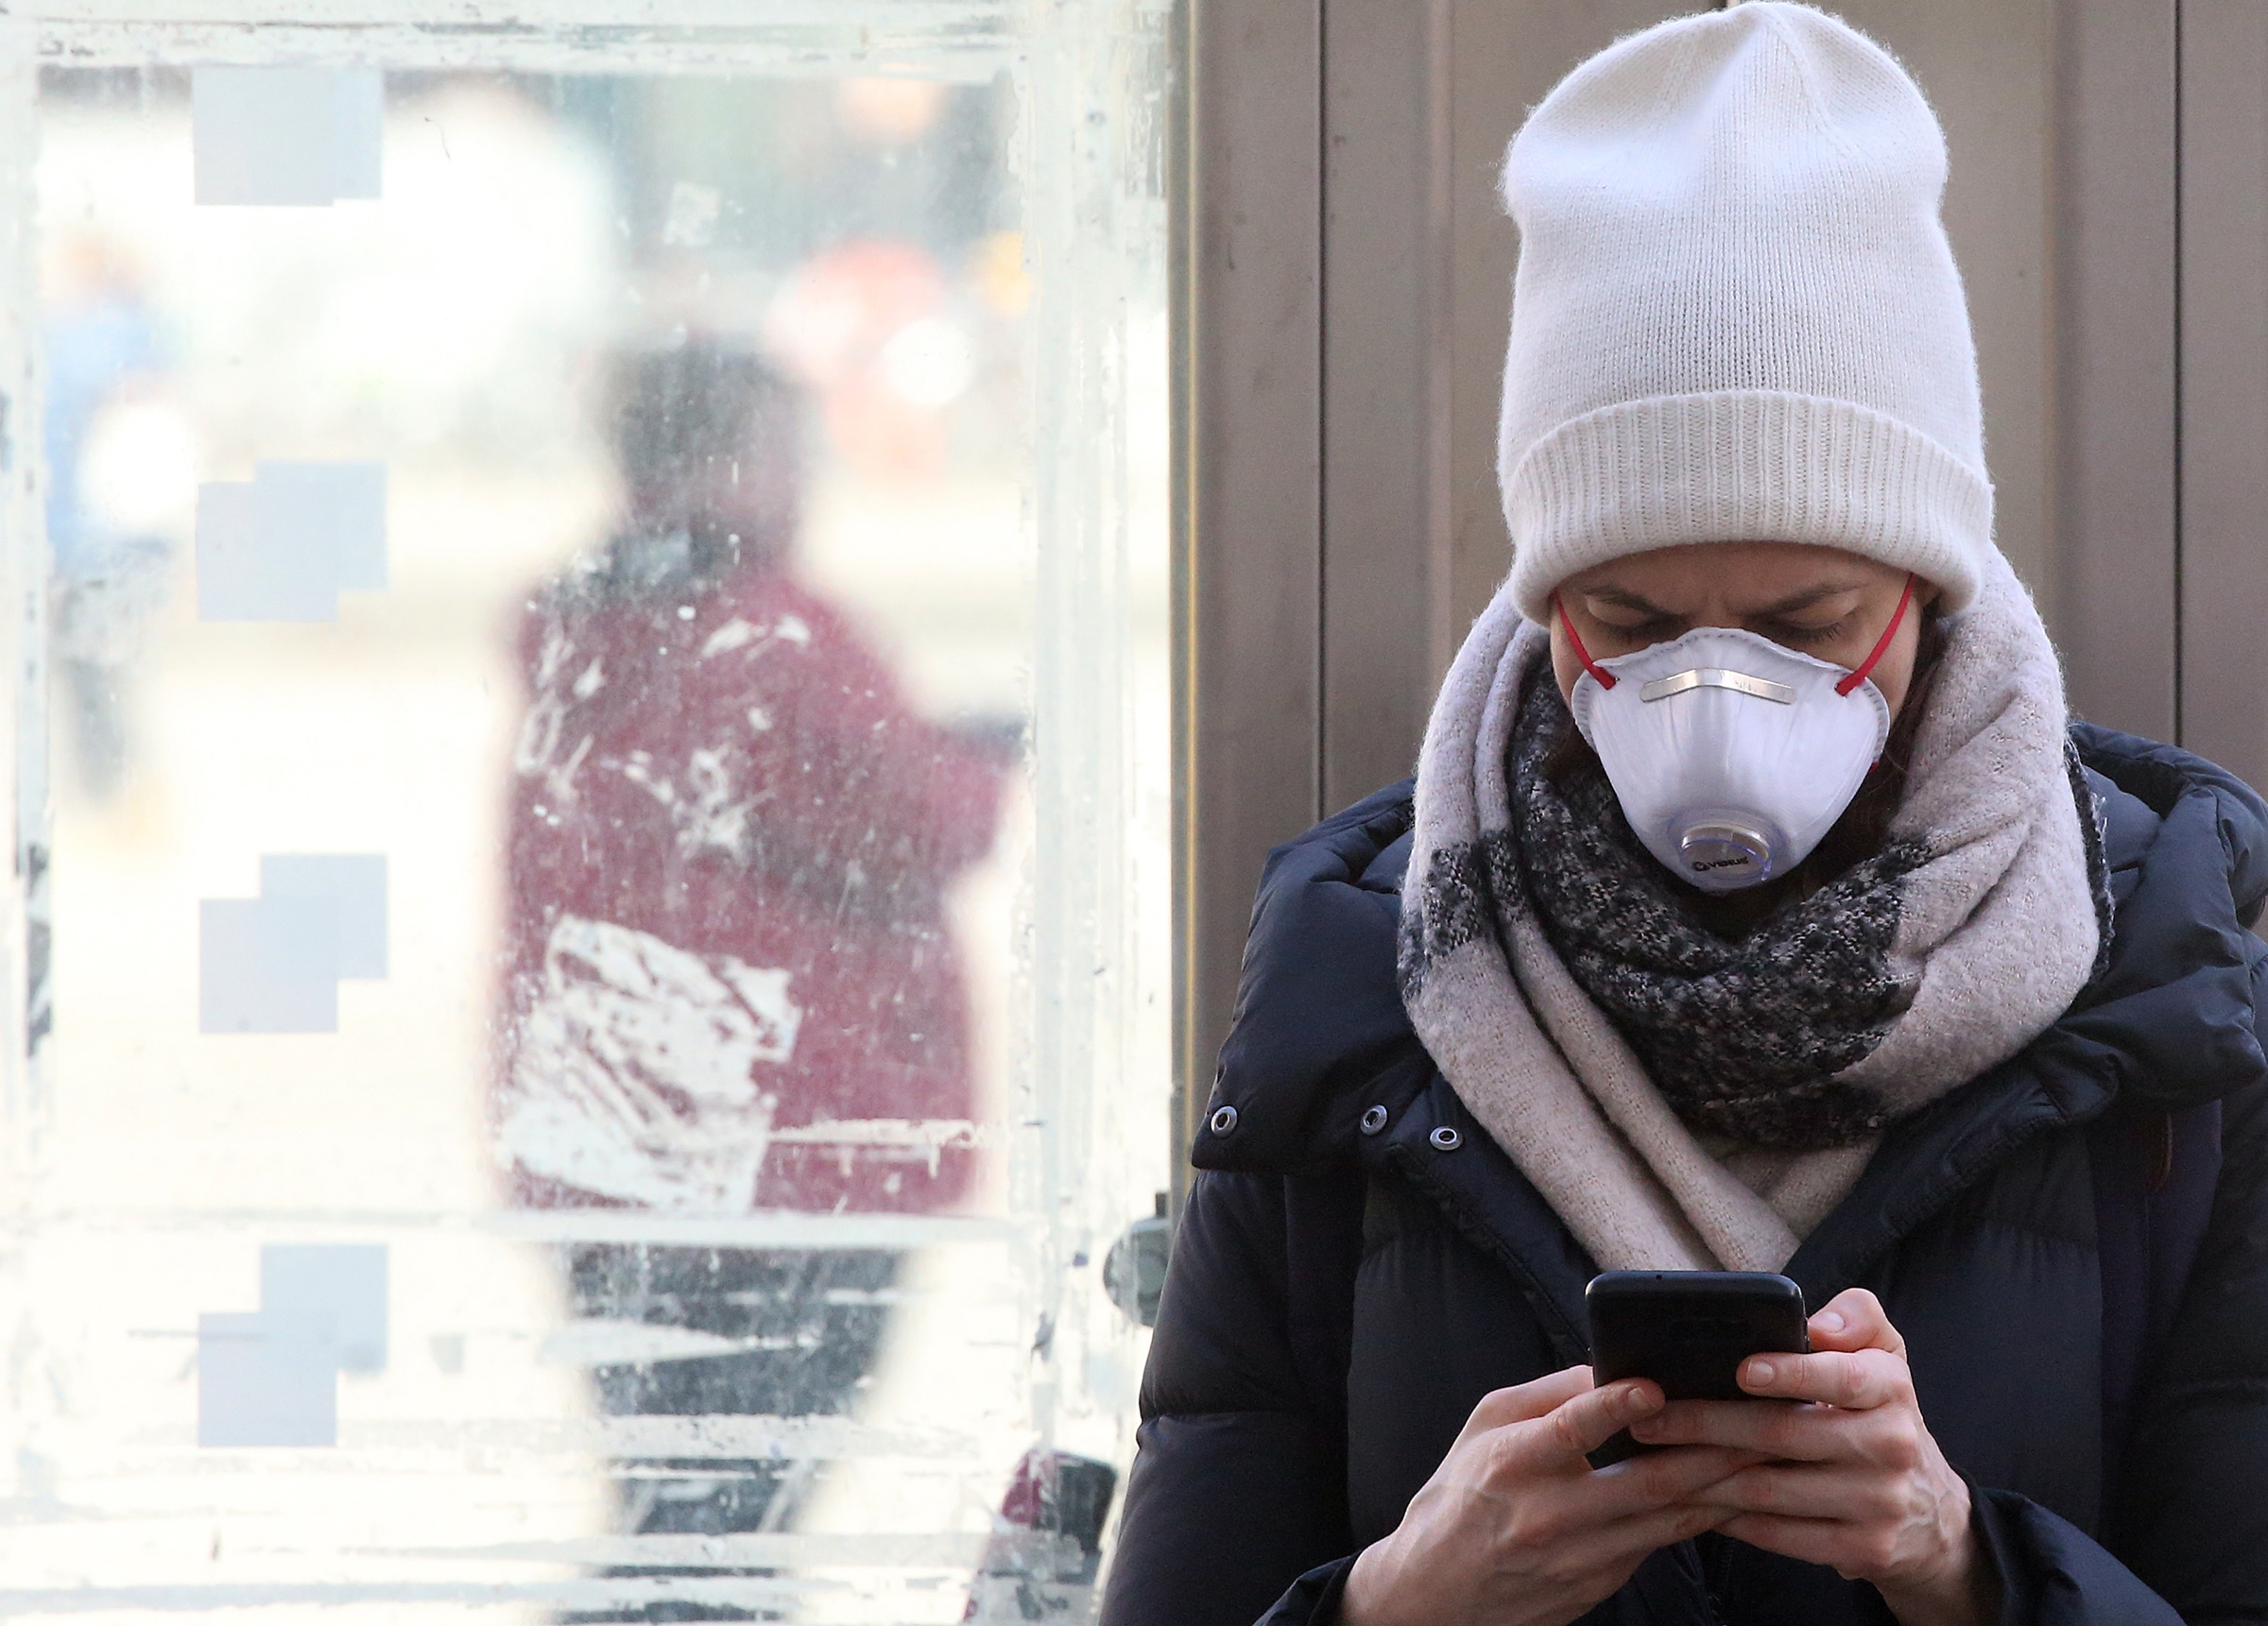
1689,1331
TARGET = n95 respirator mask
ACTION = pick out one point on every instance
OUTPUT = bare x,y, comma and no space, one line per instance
1733,756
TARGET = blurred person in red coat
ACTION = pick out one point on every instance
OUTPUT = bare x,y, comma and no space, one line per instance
732,981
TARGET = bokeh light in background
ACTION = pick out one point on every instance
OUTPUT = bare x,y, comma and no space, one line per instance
879,240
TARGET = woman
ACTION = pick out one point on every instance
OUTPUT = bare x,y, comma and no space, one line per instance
1755,907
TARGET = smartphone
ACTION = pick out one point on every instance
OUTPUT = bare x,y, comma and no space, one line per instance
1689,1331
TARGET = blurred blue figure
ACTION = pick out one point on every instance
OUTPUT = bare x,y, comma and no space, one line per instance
103,348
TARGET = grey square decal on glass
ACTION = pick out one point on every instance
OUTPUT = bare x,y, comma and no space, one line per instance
283,546
265,1378
249,568
340,1287
267,965
270,1377
356,882
272,964
296,136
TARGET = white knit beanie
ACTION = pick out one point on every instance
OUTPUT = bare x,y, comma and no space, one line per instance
1737,316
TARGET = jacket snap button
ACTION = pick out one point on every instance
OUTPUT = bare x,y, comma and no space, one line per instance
1224,1119
1446,1140
1374,1120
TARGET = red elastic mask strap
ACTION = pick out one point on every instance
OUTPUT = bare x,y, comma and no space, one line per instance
1605,678
1881,644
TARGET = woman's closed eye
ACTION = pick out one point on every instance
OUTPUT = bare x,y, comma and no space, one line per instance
1794,635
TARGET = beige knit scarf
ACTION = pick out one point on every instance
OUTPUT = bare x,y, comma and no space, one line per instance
1995,932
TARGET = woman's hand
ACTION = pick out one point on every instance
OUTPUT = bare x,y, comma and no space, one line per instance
1514,1529
1856,1481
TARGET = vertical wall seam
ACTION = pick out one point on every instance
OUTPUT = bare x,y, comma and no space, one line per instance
1322,663
1440,294
2180,390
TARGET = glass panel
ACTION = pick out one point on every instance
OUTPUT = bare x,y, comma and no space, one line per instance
594,757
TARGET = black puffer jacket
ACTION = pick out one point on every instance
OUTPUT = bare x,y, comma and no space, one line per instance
1339,1301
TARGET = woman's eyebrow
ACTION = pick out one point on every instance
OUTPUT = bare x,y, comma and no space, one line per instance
1621,599
1807,597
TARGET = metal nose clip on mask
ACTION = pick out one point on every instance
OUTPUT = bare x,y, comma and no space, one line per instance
1733,756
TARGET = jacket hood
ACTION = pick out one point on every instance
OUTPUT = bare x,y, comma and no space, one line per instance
2175,1008
1319,1010
1319,1033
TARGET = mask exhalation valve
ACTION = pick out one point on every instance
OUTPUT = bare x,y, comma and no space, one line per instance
1721,855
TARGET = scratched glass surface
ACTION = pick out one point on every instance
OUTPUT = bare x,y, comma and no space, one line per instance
592,825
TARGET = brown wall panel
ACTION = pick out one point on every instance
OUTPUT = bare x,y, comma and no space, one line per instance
1248,519
2224,383
1385,382
2114,504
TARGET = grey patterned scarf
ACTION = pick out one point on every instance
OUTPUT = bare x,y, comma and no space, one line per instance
1744,1035
1684,1098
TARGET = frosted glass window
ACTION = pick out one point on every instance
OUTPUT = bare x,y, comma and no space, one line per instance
589,1036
